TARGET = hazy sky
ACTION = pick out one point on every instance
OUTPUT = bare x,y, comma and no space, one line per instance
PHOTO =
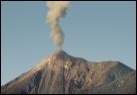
95,31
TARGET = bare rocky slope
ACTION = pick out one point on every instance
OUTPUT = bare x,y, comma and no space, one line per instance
60,73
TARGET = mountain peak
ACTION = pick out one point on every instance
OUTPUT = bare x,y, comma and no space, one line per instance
59,56
59,53
60,73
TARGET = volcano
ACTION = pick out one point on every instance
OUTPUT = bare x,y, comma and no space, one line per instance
60,73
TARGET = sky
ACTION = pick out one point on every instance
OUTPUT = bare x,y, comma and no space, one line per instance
95,31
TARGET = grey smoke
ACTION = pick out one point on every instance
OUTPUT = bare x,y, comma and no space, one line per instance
57,10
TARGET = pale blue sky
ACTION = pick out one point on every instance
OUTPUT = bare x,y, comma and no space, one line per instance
95,31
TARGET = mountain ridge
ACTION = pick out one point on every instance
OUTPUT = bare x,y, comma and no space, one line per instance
60,73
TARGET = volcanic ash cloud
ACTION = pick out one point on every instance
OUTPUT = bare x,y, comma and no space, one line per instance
57,10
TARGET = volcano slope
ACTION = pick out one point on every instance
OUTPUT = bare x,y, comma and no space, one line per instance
60,73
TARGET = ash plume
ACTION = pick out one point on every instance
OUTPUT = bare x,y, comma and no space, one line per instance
57,10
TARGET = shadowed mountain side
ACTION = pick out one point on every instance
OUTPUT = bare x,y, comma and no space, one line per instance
60,73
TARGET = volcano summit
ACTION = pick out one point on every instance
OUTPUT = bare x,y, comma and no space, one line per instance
60,73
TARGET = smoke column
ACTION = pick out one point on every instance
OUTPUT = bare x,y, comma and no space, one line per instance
57,9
